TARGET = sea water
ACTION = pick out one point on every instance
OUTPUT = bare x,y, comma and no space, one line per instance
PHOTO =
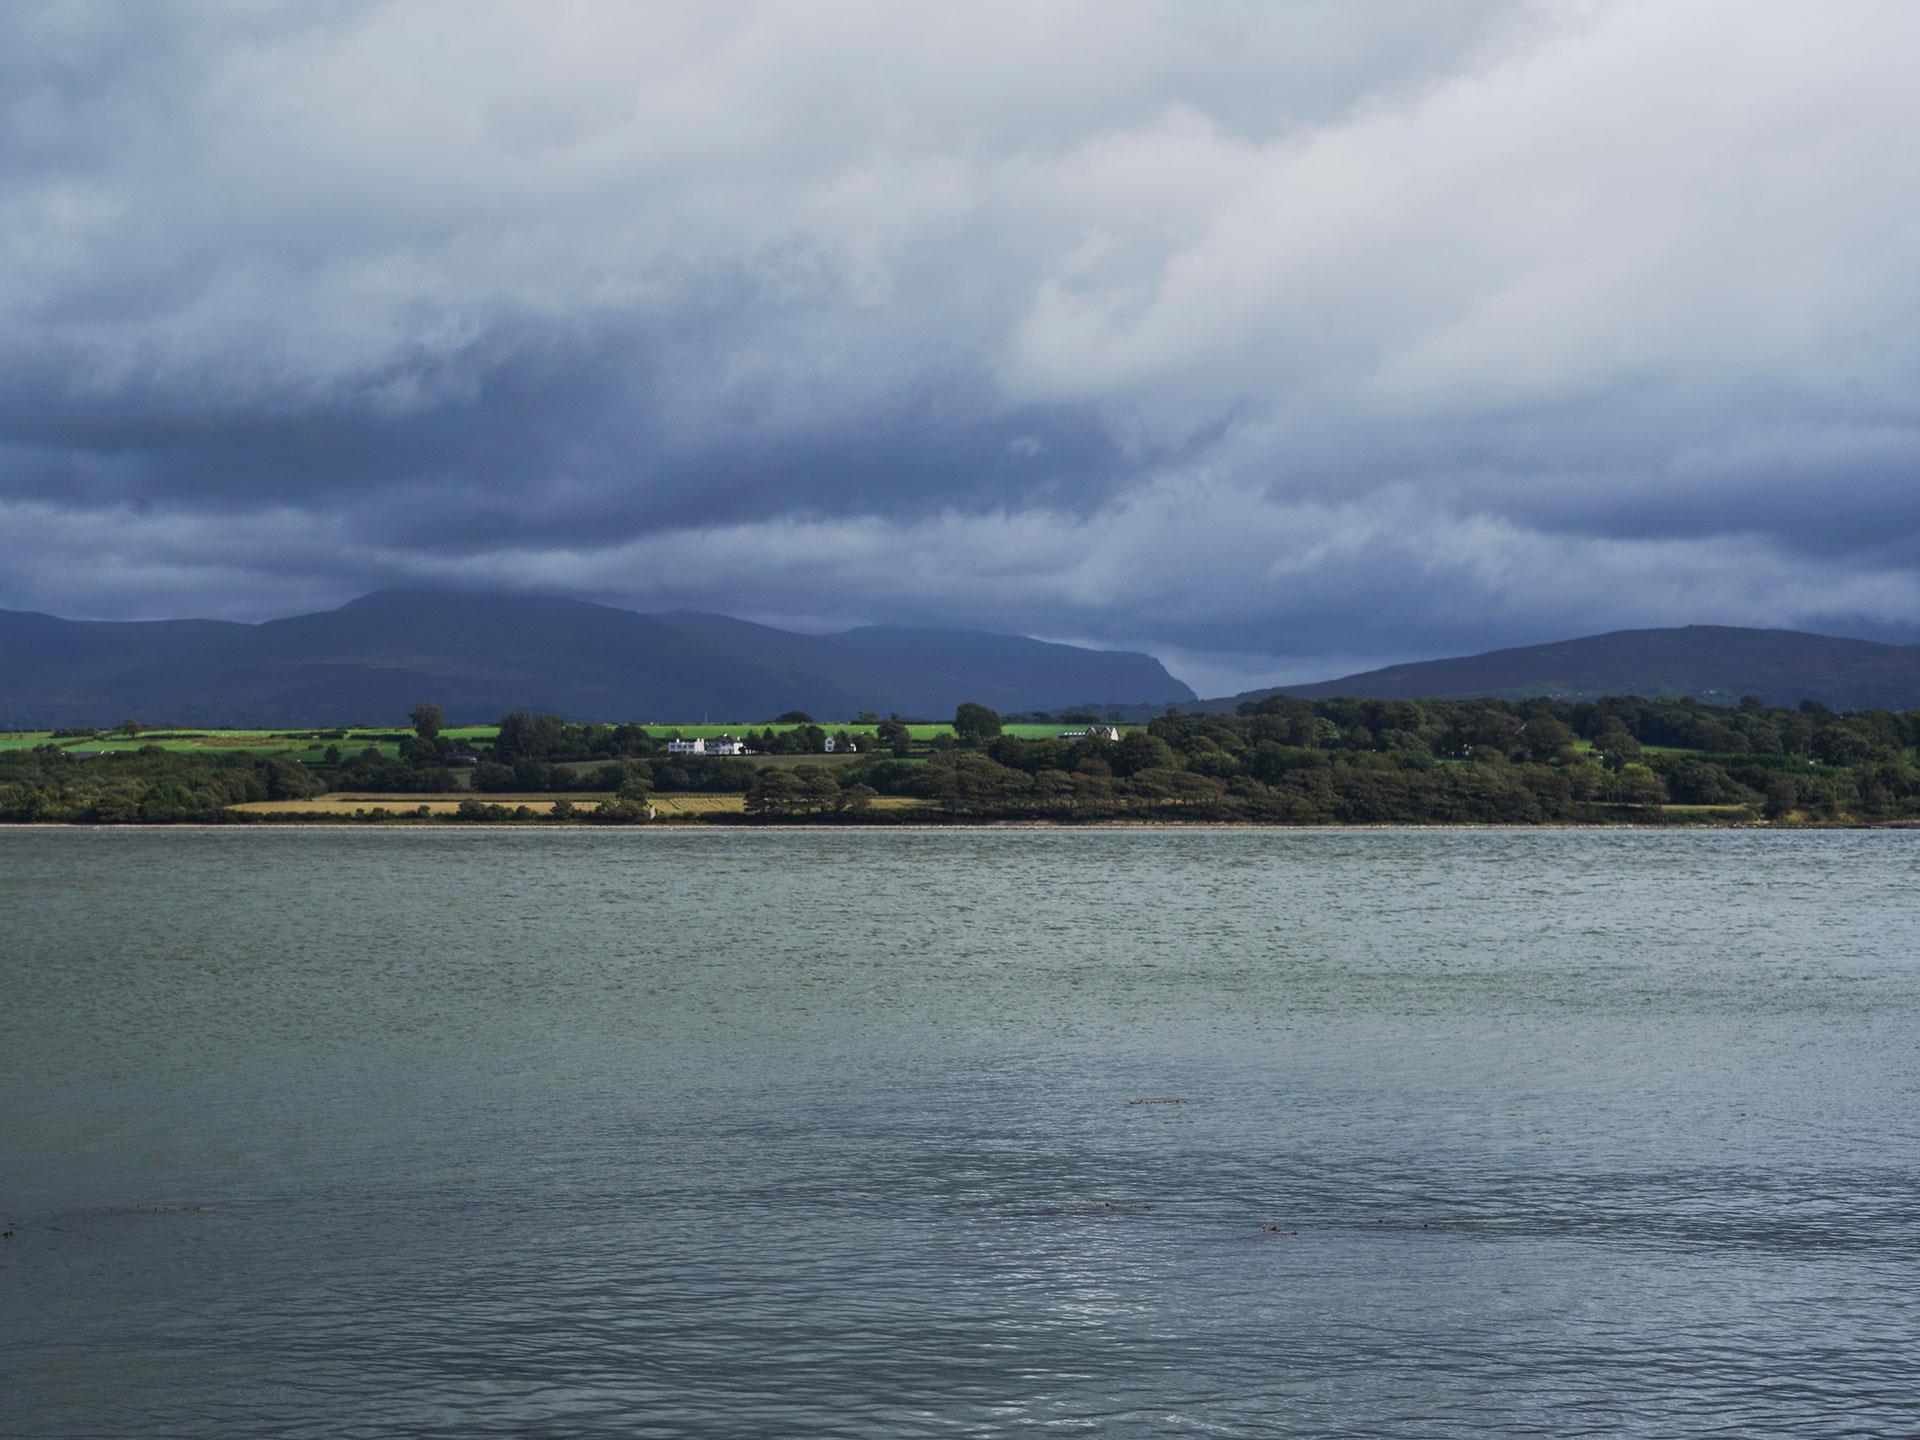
898,1133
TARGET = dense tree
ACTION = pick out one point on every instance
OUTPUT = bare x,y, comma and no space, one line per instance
1545,737
775,792
807,739
1638,785
893,735
1698,782
492,776
1618,747
621,810
818,789
516,736
150,785
1140,751
975,724
428,720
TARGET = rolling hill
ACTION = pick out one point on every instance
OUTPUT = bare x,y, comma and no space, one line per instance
1716,664
481,654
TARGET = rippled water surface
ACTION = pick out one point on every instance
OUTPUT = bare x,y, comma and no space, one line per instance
323,1133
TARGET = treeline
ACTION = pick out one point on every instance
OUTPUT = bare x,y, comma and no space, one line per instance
149,785
547,754
635,778
1293,761
1279,761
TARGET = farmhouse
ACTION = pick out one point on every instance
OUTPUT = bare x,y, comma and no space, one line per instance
719,745
1097,732
833,744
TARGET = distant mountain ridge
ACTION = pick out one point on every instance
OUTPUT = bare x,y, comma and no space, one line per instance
1716,664
479,655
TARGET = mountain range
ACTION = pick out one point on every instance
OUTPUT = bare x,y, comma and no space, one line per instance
478,655
1715,664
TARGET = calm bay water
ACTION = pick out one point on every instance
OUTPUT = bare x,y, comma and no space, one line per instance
323,1133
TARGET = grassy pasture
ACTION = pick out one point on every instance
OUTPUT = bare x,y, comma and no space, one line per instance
296,744
922,733
299,743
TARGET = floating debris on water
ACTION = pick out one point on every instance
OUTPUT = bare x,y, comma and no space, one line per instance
1159,1101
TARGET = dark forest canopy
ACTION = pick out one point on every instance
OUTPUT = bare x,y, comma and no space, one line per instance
1286,760
1280,760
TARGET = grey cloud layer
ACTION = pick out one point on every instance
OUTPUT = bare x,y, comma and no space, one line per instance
1271,337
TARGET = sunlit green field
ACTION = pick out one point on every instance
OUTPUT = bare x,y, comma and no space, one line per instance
919,732
302,743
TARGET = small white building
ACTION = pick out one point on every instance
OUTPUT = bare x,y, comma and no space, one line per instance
1097,732
833,745
719,745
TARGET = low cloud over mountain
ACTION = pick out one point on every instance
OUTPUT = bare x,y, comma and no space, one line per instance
480,655
1274,339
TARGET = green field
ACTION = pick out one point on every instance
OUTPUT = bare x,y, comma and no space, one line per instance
296,744
299,744
919,732
1585,747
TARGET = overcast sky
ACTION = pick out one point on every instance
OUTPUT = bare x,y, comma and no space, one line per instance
1276,339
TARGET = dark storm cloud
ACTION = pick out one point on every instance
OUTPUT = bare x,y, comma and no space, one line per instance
544,430
1277,338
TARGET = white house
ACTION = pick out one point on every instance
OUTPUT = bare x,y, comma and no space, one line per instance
1098,732
719,745
833,745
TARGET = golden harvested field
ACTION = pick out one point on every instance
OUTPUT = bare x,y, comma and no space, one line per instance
682,804
348,803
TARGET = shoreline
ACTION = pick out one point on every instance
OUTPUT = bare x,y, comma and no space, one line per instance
699,827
